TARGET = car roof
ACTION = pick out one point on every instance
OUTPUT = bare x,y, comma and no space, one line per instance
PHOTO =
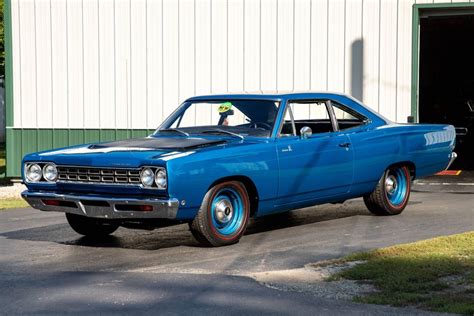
270,96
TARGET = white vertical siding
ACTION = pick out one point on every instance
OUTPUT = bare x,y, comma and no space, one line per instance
27,56
75,64
154,74
107,71
91,74
43,66
403,60
122,39
129,63
138,64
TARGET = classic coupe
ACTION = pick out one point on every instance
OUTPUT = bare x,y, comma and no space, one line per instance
220,159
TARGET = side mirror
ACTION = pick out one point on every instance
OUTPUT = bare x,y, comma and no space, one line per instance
306,132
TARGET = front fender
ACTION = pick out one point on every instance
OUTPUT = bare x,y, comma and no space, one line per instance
190,177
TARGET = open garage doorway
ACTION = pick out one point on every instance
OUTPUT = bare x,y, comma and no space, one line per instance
446,76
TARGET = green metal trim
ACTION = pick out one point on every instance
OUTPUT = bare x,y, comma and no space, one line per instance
415,57
22,141
446,5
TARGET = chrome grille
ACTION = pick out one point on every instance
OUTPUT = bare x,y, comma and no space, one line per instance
98,175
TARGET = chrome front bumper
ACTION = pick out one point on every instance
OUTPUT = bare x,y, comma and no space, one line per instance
102,206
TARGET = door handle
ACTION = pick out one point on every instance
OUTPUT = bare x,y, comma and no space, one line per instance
346,145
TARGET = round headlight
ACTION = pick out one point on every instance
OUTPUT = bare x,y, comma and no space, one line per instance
147,177
161,179
33,173
50,173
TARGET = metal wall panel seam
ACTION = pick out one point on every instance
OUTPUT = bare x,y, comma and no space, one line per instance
344,53
260,48
293,54
52,72
7,11
378,75
243,47
67,65
115,70
327,47
396,65
146,65
129,69
194,49
179,59
20,64
363,41
210,48
310,40
276,49
83,66
162,63
36,66
98,60
227,44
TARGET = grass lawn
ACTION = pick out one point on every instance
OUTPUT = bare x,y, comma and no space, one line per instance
435,274
12,203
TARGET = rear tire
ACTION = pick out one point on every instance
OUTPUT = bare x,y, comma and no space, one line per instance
223,216
90,227
391,195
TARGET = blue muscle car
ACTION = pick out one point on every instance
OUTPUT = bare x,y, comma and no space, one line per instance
247,155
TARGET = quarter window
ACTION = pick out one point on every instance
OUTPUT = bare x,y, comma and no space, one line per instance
347,118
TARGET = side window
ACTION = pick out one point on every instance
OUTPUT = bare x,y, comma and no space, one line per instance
347,118
310,114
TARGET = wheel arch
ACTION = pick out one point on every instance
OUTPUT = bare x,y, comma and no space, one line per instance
411,167
249,186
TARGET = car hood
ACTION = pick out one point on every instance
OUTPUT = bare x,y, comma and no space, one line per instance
131,153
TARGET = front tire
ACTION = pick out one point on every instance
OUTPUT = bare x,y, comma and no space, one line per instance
223,216
90,227
391,195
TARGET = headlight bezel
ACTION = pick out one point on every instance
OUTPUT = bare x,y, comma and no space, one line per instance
160,178
55,179
164,174
28,167
151,174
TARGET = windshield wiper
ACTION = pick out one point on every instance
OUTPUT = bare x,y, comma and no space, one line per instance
221,131
173,130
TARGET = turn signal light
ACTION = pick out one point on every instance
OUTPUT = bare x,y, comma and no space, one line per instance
146,208
52,202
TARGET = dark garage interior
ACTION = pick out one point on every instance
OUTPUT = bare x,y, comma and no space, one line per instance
446,77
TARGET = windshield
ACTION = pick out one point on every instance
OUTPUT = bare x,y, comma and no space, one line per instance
238,118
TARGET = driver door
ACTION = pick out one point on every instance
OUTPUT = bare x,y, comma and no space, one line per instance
317,164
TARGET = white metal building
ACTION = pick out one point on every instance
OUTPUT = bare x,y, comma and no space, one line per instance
87,70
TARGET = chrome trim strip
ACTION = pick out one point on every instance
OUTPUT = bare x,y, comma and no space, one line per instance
452,157
162,208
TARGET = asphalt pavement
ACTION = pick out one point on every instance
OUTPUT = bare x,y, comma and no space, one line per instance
47,268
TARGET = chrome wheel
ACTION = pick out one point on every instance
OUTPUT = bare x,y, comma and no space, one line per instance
390,196
223,216
227,211
396,186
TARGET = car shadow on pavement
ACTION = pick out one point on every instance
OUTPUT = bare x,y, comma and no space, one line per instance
179,235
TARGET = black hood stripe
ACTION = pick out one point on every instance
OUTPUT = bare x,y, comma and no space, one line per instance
167,143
